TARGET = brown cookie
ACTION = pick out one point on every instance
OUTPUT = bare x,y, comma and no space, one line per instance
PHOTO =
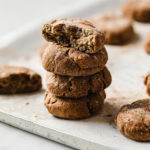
75,87
15,79
138,10
133,120
147,43
147,83
118,30
74,108
76,33
67,61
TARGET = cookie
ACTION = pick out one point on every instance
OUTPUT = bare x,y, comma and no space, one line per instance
147,43
74,108
15,79
75,87
133,120
67,61
76,33
147,83
138,10
118,30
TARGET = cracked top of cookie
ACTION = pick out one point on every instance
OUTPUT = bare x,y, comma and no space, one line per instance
145,103
76,33
133,120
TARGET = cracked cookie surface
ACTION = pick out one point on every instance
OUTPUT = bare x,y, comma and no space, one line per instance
75,87
133,120
76,33
67,61
138,10
15,79
74,108
118,30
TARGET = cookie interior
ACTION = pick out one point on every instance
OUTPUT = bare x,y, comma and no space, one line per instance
71,35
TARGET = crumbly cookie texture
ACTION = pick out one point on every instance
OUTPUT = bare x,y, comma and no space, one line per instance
75,87
67,61
118,30
15,79
147,43
133,120
74,108
147,83
138,10
76,33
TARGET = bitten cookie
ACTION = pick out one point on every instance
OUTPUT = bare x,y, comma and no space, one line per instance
75,87
74,108
147,43
76,33
15,79
117,29
147,83
70,62
138,10
133,120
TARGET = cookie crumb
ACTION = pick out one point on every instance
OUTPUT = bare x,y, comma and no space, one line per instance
27,103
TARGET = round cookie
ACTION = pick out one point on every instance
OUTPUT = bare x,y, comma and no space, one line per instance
118,30
147,43
133,120
75,87
15,79
74,108
76,33
70,62
147,83
138,10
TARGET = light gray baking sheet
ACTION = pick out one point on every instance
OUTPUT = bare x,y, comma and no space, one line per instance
128,65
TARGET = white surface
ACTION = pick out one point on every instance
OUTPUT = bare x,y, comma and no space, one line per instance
14,139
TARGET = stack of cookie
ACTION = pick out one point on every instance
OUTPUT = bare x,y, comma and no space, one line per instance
75,59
